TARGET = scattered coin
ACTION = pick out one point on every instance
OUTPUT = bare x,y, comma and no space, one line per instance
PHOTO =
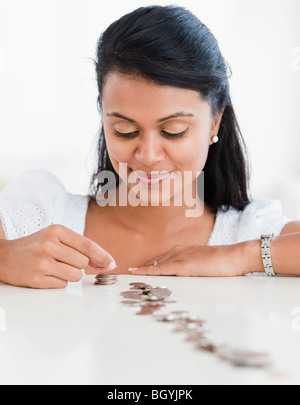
132,294
165,317
152,304
245,358
138,285
152,298
160,292
149,309
146,292
181,314
205,344
194,336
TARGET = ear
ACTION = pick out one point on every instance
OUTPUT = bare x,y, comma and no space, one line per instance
216,126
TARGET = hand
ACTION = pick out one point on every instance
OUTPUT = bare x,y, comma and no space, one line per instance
194,260
49,258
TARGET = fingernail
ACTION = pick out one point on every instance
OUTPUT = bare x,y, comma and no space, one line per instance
112,265
132,268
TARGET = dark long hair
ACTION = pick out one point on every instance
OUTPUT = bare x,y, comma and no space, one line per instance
170,46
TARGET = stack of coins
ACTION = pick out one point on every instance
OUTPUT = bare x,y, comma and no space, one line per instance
105,279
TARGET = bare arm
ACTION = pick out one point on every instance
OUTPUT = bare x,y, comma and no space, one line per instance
285,252
49,258
228,260
2,235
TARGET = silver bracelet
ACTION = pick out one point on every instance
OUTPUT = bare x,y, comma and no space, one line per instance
266,254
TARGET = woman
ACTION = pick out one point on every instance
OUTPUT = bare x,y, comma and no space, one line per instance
166,112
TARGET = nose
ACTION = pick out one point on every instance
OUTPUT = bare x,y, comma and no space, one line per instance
149,150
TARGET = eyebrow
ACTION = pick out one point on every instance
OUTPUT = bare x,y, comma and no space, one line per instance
178,114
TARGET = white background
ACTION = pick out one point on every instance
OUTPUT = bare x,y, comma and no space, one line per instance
48,111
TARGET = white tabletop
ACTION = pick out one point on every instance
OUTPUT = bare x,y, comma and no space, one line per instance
84,334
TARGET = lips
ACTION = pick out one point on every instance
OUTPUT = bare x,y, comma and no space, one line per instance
152,176
151,179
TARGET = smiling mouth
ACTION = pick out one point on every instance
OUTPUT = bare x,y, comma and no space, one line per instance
151,179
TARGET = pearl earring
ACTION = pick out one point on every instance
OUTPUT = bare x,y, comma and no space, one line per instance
215,139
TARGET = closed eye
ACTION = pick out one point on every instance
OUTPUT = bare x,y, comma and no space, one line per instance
176,134
125,134
133,134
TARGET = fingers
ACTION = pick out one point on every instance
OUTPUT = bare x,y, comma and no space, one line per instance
150,262
64,272
70,256
54,282
57,276
85,246
162,269
165,256
159,258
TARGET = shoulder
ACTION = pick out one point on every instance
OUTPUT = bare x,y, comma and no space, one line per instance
258,217
262,211
32,181
37,199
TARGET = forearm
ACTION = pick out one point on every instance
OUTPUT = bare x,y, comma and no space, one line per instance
285,255
3,253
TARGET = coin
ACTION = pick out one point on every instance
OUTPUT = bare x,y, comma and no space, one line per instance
131,294
144,287
149,309
245,358
152,304
160,292
105,279
205,344
194,336
193,320
145,312
138,284
146,290
104,282
150,298
250,359
160,286
165,317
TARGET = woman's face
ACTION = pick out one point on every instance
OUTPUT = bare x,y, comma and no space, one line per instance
158,128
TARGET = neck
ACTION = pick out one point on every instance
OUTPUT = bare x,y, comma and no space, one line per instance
158,219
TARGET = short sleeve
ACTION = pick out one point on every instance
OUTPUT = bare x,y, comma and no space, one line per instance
37,199
259,217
